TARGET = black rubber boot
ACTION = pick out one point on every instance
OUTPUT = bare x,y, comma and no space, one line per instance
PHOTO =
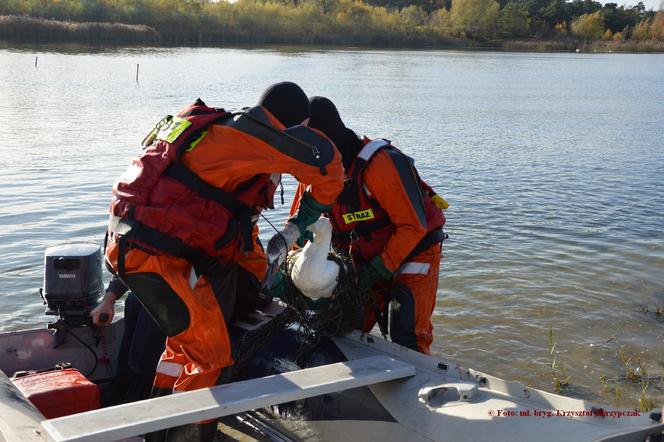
193,432
158,436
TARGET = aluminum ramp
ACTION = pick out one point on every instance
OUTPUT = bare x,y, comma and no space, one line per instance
127,420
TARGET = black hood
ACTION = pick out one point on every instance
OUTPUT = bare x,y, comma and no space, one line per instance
325,117
287,102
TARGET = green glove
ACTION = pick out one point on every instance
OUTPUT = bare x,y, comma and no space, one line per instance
372,274
278,288
308,236
318,304
308,213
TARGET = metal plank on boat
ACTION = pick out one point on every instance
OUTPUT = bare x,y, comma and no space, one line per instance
142,417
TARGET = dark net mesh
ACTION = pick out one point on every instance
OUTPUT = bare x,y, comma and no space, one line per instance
343,313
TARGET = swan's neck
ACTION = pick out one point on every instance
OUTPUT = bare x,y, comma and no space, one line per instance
318,249
313,273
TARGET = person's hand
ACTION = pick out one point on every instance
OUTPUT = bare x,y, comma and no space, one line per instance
317,304
278,287
372,274
104,312
308,213
301,241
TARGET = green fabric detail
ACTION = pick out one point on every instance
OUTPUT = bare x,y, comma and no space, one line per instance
308,236
372,274
378,265
318,304
311,202
278,288
194,143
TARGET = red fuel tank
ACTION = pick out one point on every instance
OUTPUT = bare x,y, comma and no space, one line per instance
59,392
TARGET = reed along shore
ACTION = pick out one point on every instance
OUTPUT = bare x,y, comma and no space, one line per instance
30,29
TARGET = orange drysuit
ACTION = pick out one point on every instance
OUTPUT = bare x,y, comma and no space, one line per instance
188,216
386,210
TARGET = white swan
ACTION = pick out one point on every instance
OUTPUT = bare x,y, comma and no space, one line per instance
312,273
310,270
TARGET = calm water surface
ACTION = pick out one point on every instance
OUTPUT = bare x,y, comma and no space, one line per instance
553,165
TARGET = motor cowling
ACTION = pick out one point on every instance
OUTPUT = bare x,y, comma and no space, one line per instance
72,281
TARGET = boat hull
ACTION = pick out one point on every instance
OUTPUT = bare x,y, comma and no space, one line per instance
443,401
424,408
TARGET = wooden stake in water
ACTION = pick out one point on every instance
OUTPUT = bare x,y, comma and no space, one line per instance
136,72
36,58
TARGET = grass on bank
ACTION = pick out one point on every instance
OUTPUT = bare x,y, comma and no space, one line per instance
269,23
22,28
635,374
558,371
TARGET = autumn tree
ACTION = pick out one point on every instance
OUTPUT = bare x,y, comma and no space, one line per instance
641,31
475,18
589,26
657,26
513,21
561,28
413,16
441,21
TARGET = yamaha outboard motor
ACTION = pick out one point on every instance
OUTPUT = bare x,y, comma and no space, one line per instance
72,285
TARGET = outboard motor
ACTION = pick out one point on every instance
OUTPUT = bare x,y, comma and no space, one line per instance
72,285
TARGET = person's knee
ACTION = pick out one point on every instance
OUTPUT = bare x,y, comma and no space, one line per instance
161,302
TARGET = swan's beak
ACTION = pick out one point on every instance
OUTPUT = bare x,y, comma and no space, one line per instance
270,274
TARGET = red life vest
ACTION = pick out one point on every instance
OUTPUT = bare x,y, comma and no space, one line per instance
161,205
359,214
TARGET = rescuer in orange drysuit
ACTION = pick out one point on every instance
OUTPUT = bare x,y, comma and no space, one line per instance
392,222
191,200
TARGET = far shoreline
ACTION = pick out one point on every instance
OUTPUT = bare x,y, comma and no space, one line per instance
29,31
519,46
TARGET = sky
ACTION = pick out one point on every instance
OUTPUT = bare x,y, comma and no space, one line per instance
650,4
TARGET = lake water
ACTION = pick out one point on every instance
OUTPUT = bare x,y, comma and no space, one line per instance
553,165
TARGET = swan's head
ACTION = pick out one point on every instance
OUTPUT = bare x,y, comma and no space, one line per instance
320,228
277,250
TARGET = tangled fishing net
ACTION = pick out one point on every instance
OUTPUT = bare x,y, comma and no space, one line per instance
342,314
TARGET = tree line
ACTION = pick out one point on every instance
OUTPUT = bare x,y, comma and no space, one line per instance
362,22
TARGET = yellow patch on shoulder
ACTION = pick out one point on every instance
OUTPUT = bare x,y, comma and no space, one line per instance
170,131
